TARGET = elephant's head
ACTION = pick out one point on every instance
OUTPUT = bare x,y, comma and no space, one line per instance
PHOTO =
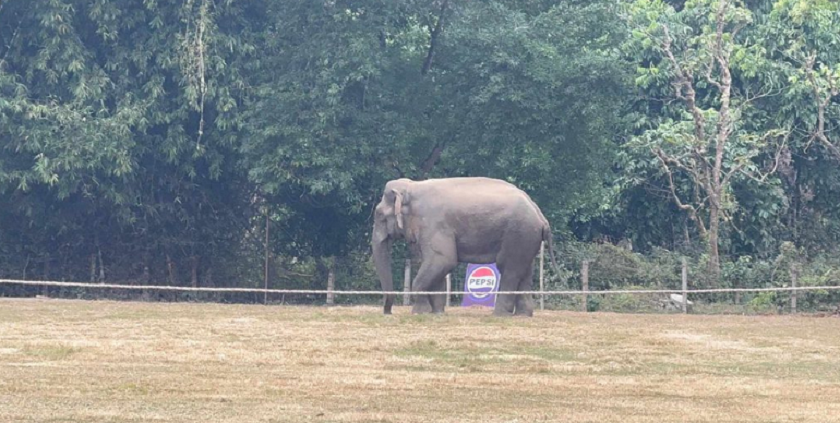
389,224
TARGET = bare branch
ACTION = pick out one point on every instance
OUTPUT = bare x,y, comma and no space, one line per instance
822,104
749,99
711,80
433,39
664,159
711,64
684,82
763,175
202,70
10,44
678,163
431,160
733,171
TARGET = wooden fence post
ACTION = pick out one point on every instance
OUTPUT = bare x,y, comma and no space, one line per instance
685,285
407,282
448,288
584,278
542,277
794,275
331,283
267,256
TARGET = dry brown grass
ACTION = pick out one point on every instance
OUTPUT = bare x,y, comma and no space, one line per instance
77,361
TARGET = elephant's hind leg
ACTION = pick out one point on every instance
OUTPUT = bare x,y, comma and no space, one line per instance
524,302
506,303
422,305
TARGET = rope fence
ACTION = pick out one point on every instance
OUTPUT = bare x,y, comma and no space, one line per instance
325,292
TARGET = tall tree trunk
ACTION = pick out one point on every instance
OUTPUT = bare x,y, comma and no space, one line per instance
267,257
171,270
330,280
194,271
47,267
62,266
101,266
93,267
25,266
714,253
208,277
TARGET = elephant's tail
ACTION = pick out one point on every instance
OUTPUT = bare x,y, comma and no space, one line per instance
548,238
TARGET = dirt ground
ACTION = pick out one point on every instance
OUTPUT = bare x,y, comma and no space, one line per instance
99,361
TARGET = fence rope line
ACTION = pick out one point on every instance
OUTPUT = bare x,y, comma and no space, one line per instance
324,291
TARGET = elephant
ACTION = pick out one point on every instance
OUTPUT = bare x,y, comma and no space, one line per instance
467,219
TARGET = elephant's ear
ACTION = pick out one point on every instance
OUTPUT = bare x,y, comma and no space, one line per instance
398,201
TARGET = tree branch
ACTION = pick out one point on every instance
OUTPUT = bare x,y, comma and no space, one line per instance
676,162
822,103
431,160
724,123
776,160
400,173
10,43
692,212
433,39
201,70
684,82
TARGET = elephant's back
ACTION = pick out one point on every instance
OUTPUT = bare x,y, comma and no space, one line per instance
480,196
465,187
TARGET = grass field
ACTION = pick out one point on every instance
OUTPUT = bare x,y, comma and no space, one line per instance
90,361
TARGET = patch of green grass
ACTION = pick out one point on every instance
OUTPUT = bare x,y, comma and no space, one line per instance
550,354
472,358
49,352
133,389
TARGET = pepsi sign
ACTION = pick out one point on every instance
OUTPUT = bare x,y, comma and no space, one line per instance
481,284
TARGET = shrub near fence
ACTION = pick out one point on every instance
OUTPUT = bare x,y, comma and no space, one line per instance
613,267
608,268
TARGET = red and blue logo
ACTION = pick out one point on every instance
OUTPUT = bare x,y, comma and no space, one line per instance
481,284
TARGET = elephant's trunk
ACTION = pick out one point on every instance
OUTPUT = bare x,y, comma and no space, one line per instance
382,260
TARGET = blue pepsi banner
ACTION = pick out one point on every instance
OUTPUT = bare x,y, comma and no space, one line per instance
481,284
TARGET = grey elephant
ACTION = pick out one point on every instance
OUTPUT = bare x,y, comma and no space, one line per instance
451,220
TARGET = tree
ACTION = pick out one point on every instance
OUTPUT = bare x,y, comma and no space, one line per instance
800,39
120,118
700,144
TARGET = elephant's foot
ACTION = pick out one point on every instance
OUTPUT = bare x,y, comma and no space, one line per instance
524,306
422,306
505,305
502,313
524,313
438,303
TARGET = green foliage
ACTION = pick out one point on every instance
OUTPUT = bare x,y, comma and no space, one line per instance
150,141
763,302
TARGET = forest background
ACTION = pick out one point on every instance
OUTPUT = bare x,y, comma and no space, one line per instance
222,143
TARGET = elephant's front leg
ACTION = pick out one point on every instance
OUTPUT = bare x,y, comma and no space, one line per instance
438,302
430,277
